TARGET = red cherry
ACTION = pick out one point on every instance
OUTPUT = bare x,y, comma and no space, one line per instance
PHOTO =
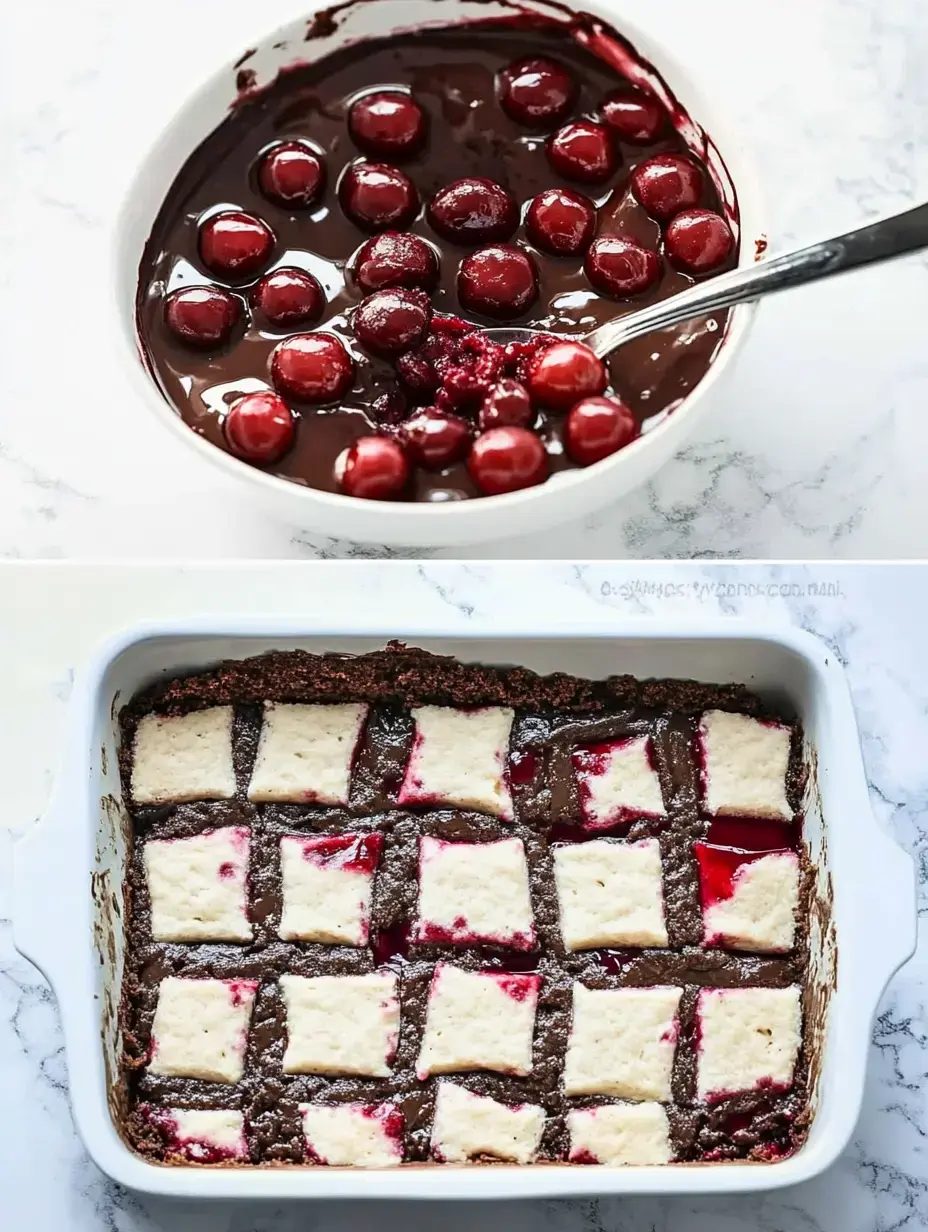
698,241
537,91
507,459
561,222
633,116
597,427
292,174
563,373
497,281
507,405
202,316
392,321
473,211
435,439
667,183
583,151
377,197
620,267
233,243
289,297
259,427
375,468
312,367
387,123
395,259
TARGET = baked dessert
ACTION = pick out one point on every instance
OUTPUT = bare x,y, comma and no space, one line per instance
401,909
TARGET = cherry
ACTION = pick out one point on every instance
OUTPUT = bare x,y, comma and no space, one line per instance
375,468
392,321
563,373
435,439
537,91
292,174
507,459
395,259
388,123
202,316
377,197
497,281
289,297
698,241
633,116
583,151
312,367
620,267
667,183
508,405
234,243
597,427
561,222
259,427
473,211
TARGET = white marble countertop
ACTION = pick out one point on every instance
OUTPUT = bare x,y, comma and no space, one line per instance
871,617
816,445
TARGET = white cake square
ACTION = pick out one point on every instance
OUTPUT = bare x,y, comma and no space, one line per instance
327,882
305,753
749,1039
206,1135
183,757
478,1020
617,782
745,761
460,757
749,901
473,893
616,1134
200,1028
341,1024
353,1135
622,1042
466,1125
198,886
610,893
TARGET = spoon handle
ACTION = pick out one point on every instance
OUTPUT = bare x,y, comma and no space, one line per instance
880,241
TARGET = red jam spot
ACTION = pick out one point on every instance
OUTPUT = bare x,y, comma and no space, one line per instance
698,241
523,766
561,222
596,428
666,184
764,1086
202,317
435,439
498,281
395,259
375,468
537,91
289,297
583,1156
507,460
752,834
388,124
390,1118
619,267
377,197
591,761
312,367
259,427
392,945
241,991
614,961
583,151
292,174
226,870
351,853
234,244
507,405
457,934
561,375
717,869
519,987
633,116
473,211
392,321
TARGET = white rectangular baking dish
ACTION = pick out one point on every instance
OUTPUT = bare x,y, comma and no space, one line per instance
68,885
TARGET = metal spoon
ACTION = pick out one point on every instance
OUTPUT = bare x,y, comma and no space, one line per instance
880,241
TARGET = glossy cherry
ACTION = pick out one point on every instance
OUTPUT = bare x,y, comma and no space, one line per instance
507,459
377,197
537,91
498,281
392,321
698,241
234,244
395,259
473,211
374,468
561,222
387,124
435,439
289,296
633,116
312,367
507,405
202,317
259,427
565,372
666,184
619,267
583,151
597,427
292,174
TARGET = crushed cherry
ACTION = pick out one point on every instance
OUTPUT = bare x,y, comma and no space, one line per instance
202,317
561,222
259,427
234,244
537,91
374,468
473,211
666,184
387,123
584,151
596,428
633,116
377,197
563,373
312,367
435,439
288,296
395,259
620,267
507,459
498,281
698,241
292,174
392,321
506,405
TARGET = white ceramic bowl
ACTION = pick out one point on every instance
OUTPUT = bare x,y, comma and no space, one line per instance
68,880
570,495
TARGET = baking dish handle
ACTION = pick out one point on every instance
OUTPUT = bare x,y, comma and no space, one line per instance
886,911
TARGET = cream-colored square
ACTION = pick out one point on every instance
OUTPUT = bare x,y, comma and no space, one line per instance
352,1135
749,1037
341,1024
305,753
466,1125
474,892
615,1134
198,886
610,893
760,915
617,782
321,901
622,1042
208,1133
460,757
746,761
183,757
200,1028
